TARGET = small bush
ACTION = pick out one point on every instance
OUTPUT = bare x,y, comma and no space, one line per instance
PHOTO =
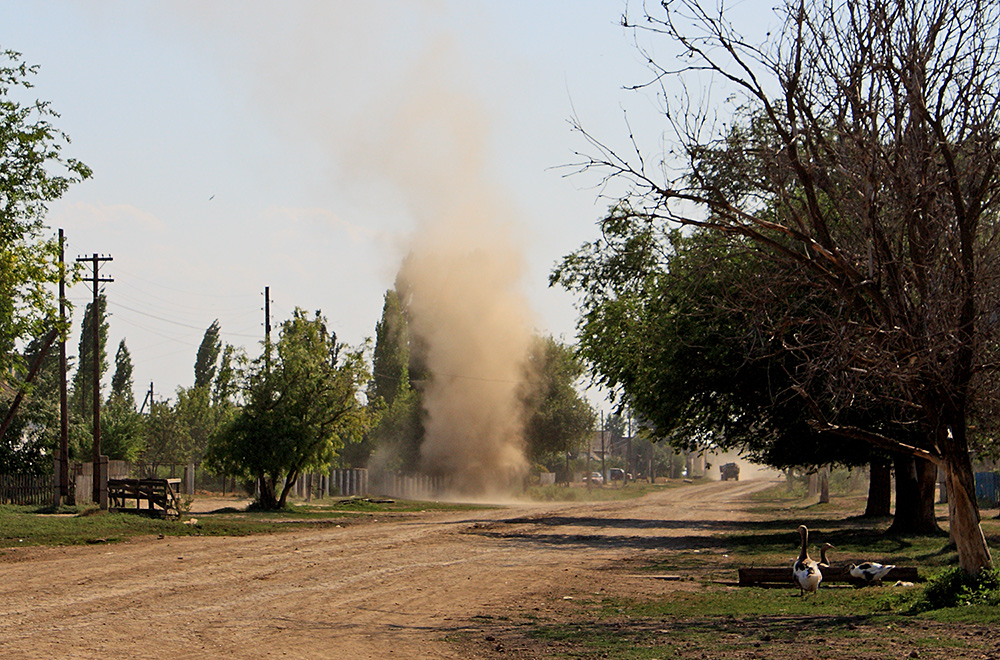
954,587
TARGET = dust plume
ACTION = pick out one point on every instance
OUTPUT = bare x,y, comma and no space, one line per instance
461,279
396,116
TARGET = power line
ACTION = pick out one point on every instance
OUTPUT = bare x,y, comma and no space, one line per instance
187,293
147,297
171,321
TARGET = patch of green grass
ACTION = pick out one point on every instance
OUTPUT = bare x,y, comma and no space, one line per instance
969,615
750,602
728,622
26,525
22,526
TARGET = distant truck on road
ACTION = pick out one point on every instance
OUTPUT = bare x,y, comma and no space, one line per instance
730,471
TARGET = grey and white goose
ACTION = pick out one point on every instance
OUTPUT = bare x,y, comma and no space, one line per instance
805,570
823,561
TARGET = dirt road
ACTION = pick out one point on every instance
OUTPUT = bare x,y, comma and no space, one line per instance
395,589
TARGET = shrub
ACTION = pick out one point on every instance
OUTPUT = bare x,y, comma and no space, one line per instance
954,587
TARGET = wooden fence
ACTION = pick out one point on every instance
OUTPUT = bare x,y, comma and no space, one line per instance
37,489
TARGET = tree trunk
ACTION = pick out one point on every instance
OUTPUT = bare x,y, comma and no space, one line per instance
916,479
290,480
963,514
265,494
879,503
35,366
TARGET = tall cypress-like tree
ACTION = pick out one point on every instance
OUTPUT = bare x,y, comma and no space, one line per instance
208,356
121,381
83,379
391,358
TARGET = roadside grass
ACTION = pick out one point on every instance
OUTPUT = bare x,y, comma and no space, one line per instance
712,617
732,621
22,526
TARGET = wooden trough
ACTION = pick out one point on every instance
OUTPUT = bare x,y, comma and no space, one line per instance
770,576
158,495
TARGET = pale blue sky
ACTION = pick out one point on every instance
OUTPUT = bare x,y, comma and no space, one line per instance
238,145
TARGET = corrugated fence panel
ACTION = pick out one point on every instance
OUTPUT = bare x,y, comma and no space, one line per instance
988,487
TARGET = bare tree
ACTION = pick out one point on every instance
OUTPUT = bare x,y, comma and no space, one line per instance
862,159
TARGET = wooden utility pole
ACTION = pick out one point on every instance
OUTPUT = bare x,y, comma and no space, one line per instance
628,450
148,397
267,329
604,471
63,397
96,279
267,314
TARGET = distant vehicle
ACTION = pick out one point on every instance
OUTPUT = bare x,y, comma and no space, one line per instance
730,471
616,474
595,477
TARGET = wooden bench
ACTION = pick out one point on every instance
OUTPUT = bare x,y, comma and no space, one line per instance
159,496
763,577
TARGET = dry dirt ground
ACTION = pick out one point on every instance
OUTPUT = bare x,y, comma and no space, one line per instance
433,585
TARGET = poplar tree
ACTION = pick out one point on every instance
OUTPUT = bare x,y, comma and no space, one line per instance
208,356
83,378
391,357
121,381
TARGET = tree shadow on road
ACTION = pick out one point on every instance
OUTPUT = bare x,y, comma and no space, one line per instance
704,535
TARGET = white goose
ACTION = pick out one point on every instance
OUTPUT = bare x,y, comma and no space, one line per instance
871,572
805,570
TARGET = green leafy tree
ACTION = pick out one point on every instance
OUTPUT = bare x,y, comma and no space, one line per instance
208,356
123,430
33,173
860,163
668,326
557,418
197,416
297,406
166,437
224,387
667,330
27,445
